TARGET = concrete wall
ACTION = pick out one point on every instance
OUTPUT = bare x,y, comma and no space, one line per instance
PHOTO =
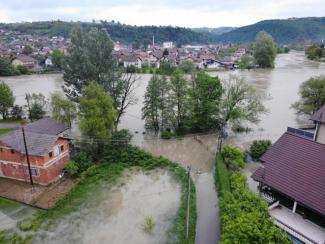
321,134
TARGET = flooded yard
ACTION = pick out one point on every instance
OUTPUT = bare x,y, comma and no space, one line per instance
118,215
12,212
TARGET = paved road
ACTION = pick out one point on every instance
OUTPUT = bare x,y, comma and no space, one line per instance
208,223
9,125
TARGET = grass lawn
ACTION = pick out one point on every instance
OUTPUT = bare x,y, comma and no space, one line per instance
5,130
11,120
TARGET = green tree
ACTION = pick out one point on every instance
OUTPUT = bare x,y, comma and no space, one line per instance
96,114
178,100
36,105
6,68
23,70
57,58
155,103
187,66
166,68
27,50
204,99
7,99
312,95
63,110
90,59
314,52
264,50
258,148
240,103
17,112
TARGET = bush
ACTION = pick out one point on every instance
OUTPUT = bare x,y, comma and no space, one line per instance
17,112
258,148
72,168
23,70
221,176
82,160
245,217
233,157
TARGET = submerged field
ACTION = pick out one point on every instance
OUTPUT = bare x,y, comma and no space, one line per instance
139,202
117,215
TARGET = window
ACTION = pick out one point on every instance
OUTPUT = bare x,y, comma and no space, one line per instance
62,148
1,149
35,172
56,151
50,154
12,151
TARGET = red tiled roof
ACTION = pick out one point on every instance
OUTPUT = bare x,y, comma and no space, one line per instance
319,115
295,166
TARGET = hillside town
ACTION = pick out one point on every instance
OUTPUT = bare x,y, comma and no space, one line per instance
35,52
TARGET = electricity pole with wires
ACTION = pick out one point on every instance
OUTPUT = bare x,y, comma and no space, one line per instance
27,156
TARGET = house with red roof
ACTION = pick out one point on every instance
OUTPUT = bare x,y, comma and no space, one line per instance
293,171
47,148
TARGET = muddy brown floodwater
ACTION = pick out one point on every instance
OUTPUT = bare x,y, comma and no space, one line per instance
281,84
117,216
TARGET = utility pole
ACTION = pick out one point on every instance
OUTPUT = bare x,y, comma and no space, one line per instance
188,201
27,156
28,105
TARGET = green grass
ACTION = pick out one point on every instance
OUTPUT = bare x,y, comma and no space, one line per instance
4,131
11,120
107,174
4,204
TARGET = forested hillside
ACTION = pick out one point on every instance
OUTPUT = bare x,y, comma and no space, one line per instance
283,31
119,32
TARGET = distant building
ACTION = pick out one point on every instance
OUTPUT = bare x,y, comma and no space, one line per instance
24,60
47,148
48,62
168,45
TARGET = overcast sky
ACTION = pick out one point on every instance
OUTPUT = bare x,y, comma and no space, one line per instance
188,13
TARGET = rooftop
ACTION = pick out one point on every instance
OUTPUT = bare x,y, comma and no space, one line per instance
295,166
319,115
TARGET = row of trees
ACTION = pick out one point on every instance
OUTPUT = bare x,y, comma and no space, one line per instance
198,103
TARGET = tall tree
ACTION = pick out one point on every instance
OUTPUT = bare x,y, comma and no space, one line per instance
63,110
6,68
205,95
240,103
312,95
264,50
36,105
155,102
178,99
7,99
90,59
97,114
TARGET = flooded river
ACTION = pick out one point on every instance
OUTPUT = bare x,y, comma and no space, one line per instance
281,84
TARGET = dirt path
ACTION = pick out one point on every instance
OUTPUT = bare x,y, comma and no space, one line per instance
199,153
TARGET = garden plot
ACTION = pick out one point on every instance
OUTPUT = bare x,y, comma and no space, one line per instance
140,201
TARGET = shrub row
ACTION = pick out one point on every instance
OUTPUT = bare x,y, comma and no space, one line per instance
244,215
